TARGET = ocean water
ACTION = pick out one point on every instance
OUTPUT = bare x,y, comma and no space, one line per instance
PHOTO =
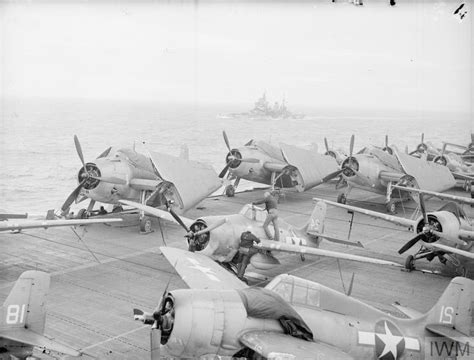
39,163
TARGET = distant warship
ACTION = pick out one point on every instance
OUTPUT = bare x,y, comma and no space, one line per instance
263,110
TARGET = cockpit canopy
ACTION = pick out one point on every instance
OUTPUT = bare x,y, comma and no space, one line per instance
297,291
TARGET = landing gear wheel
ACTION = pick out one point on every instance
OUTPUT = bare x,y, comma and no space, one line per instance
410,263
82,214
341,198
302,257
145,225
391,207
230,191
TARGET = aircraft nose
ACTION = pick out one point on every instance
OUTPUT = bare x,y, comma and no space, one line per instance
90,175
350,166
233,158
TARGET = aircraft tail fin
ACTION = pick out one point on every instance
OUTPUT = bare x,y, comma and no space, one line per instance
315,223
453,314
25,305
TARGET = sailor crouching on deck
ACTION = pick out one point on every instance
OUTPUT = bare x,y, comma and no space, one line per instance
271,204
246,251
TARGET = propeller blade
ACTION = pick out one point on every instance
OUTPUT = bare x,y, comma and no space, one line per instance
411,242
332,175
155,343
386,141
70,199
351,147
212,227
79,151
423,208
178,219
111,180
224,170
326,144
422,138
226,140
249,160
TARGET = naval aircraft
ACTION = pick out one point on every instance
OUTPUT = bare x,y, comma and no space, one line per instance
286,166
155,179
294,318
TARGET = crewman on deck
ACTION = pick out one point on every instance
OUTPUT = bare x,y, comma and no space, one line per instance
271,204
246,251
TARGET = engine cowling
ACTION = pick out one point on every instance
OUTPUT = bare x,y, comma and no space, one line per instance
441,221
220,317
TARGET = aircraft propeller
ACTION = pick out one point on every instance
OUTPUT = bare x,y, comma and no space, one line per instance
234,157
193,235
328,151
421,147
350,165
386,147
427,233
89,176
161,321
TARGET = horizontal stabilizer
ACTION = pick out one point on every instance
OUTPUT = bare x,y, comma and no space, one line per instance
272,345
281,246
28,337
450,333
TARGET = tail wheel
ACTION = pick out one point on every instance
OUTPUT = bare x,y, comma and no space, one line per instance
410,263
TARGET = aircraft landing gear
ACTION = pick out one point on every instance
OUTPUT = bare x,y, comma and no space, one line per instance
230,190
410,263
391,207
82,214
145,225
341,198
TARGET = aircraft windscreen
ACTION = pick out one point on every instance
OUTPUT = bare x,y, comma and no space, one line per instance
297,291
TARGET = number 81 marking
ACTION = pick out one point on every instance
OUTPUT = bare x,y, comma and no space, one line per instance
15,314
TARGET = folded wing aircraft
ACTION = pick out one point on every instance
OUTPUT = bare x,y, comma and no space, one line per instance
155,179
447,234
286,166
293,318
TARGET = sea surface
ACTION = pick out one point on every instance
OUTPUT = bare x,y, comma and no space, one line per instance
39,163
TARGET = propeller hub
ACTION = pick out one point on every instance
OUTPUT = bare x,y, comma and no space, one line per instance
350,166
233,158
92,170
427,229
198,242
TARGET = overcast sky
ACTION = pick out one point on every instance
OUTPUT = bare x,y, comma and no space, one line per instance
416,55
